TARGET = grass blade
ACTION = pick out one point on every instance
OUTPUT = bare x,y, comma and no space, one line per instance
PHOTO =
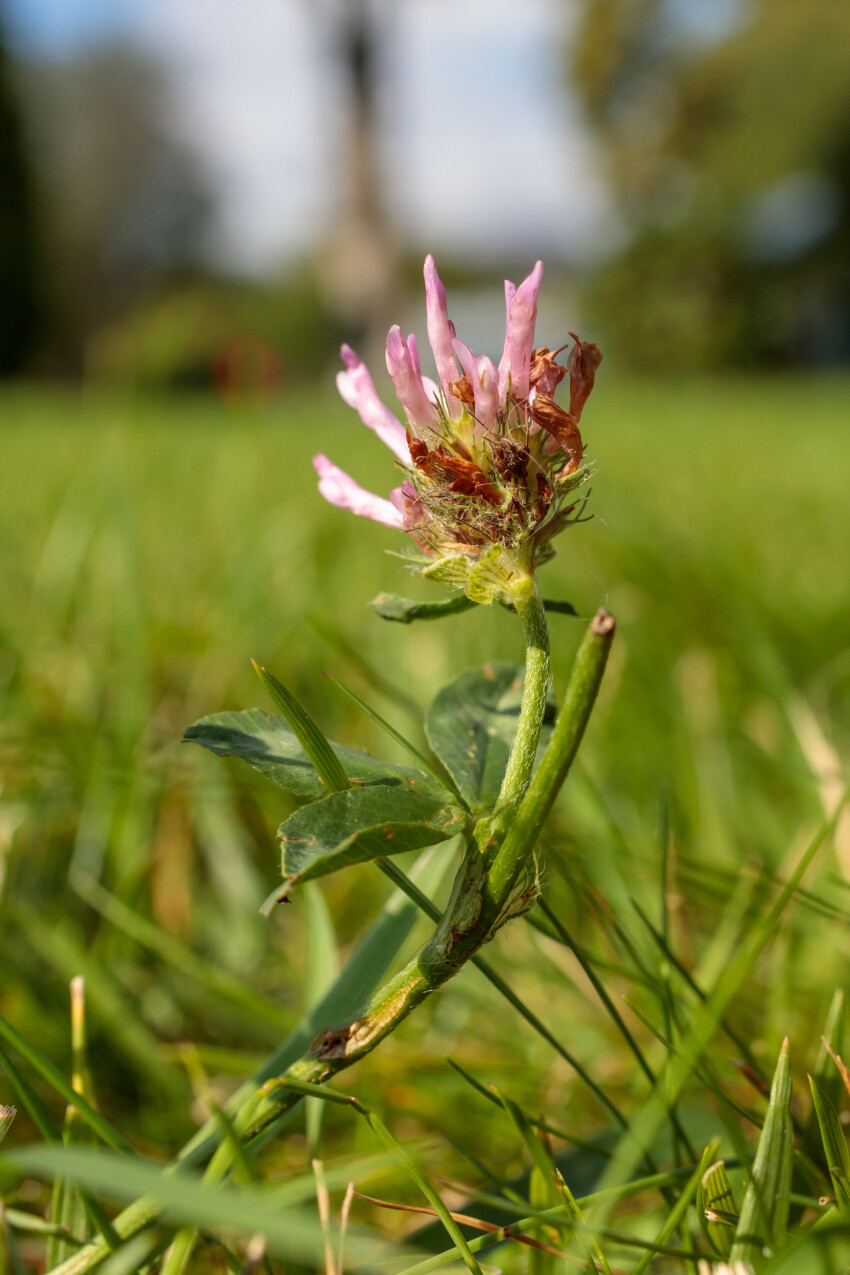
40,1117
680,1208
504,988
291,1233
382,1132
825,1072
593,1253
543,1125
717,1208
443,778
7,1115
541,1156
306,731
57,1081
67,1210
834,1142
60,947
764,1213
564,937
705,1021
322,972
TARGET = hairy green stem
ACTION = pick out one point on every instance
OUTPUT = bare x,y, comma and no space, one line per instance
529,608
482,900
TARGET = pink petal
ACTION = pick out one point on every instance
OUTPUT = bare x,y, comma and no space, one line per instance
486,386
356,387
466,359
484,379
339,489
414,355
440,333
521,321
432,390
408,503
505,360
407,379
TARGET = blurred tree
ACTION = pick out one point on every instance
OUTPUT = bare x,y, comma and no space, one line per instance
359,262
727,129
18,246
125,201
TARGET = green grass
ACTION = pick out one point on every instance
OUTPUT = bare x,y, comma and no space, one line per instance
149,549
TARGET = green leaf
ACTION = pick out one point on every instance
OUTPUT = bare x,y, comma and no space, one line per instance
264,741
470,726
361,824
389,606
764,1214
834,1142
311,739
717,1208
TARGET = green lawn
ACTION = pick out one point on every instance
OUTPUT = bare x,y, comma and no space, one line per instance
150,548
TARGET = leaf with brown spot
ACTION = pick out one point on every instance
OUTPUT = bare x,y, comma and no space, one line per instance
364,823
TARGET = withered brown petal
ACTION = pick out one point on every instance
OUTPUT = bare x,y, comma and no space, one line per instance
463,476
584,358
563,428
462,389
545,371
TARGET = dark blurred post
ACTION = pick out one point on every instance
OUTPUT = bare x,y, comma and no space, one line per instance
18,249
359,262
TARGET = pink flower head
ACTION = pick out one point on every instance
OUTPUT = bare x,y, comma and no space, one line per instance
489,458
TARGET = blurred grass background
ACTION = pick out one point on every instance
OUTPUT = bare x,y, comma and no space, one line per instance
151,546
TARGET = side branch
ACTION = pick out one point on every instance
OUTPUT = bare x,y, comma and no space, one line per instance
518,846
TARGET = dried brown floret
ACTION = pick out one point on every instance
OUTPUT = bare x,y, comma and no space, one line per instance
561,425
582,363
462,389
463,477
